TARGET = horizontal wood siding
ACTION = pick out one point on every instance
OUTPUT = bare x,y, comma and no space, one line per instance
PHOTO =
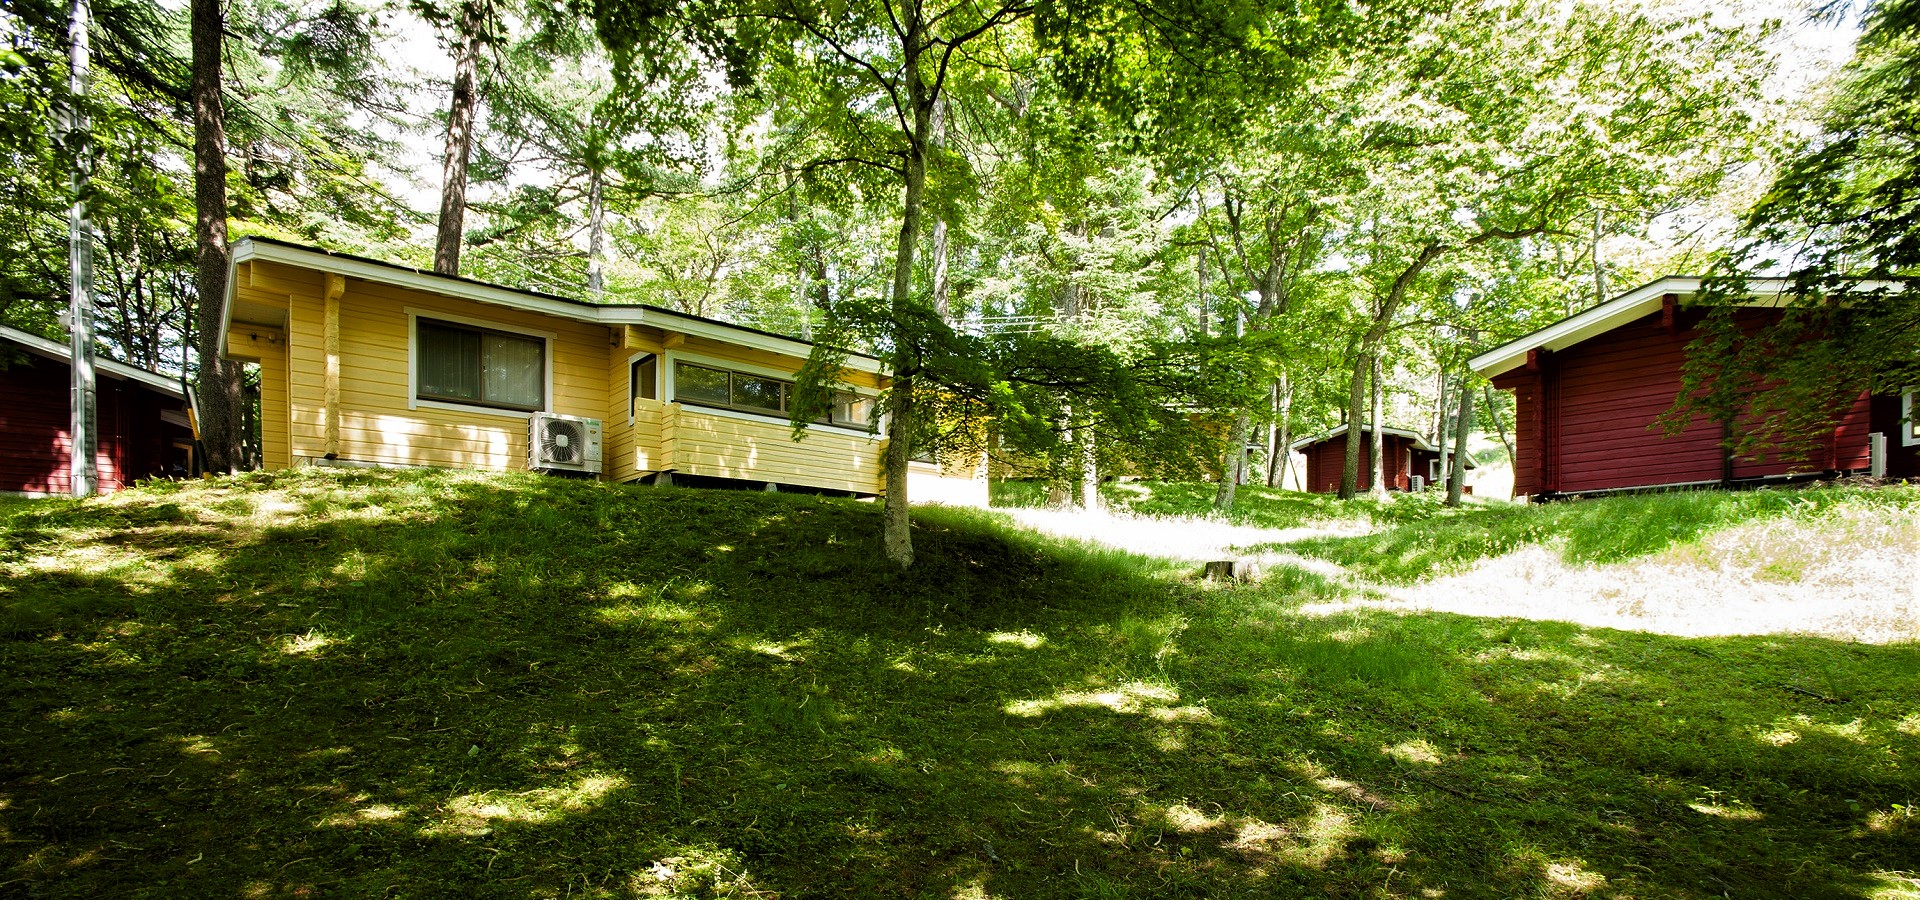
376,423
701,443
35,421
1327,461
1586,417
1611,389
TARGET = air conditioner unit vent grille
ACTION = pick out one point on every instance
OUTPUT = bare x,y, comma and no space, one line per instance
563,444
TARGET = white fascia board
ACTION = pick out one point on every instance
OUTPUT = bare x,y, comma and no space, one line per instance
247,251
610,316
1607,316
1576,328
61,353
226,300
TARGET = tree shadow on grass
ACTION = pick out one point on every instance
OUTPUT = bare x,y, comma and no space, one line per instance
429,685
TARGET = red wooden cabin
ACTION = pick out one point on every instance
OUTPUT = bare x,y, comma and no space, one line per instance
1406,453
1589,387
144,428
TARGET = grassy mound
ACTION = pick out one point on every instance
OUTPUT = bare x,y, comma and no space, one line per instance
436,684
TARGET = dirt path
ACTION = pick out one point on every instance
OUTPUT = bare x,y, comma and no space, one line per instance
1186,539
1852,577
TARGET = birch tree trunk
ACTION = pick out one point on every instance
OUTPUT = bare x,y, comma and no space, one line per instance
1088,478
1440,427
83,439
937,137
459,144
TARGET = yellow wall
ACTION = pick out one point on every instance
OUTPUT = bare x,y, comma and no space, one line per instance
692,440
703,443
380,424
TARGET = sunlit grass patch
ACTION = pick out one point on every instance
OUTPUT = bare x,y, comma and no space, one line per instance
479,813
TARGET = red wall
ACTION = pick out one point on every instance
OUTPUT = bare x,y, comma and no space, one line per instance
34,420
1327,460
1586,417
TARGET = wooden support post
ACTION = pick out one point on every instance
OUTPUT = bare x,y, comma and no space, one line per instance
336,286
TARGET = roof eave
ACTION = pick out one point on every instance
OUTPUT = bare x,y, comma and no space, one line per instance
249,249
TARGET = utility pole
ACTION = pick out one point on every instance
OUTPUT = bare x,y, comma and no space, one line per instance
85,441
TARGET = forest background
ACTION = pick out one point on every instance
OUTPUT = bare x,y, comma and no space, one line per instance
1120,220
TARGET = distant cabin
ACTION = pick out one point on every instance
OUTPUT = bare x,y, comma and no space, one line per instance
143,426
1407,456
1589,387
368,363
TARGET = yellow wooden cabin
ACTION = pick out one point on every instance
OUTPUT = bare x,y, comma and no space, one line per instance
366,363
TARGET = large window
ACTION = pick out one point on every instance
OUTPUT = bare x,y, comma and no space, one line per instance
725,389
479,366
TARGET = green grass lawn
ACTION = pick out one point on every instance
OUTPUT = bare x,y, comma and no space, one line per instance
433,685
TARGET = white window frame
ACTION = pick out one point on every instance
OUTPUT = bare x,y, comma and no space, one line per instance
669,360
415,401
633,400
1909,429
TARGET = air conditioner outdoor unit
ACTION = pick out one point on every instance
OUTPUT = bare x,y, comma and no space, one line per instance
563,444
1877,454
1417,483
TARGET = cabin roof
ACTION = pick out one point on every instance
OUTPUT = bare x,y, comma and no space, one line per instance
266,249
1597,320
1419,443
1634,304
61,353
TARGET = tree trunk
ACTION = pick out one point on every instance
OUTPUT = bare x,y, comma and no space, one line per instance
1233,463
1205,311
1440,425
942,306
1378,470
596,234
1088,477
1356,404
1599,264
896,523
1500,428
219,381
459,145
83,438
1457,476
1281,461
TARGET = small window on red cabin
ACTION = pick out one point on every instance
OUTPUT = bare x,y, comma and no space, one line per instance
1910,417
